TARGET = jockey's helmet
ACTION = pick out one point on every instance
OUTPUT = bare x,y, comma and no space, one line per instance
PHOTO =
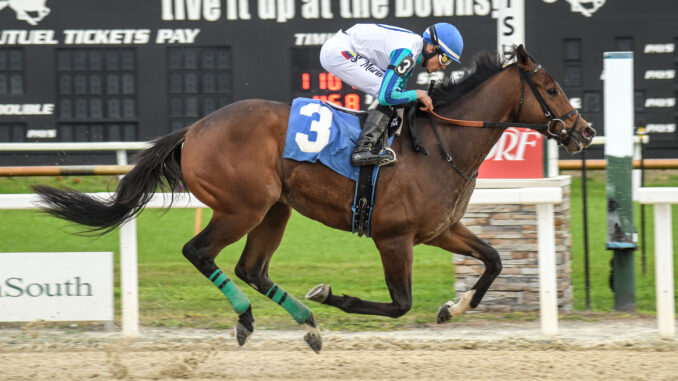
446,39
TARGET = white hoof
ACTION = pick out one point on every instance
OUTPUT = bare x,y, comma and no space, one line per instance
451,310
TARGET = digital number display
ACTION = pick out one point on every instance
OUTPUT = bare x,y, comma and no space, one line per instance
310,80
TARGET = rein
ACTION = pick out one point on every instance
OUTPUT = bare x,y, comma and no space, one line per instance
481,124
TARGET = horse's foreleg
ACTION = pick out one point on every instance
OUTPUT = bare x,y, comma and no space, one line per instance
252,267
459,239
396,257
201,251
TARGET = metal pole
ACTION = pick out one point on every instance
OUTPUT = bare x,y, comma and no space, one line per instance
619,116
585,218
641,131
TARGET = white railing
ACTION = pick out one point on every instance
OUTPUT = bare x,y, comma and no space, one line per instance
662,198
544,198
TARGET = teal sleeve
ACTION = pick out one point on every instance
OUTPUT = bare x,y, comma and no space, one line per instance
392,91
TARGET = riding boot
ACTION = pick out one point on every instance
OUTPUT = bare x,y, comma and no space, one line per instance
376,122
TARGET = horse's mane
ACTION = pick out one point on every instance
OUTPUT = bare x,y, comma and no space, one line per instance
485,64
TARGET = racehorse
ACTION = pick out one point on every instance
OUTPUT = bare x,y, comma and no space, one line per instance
23,8
232,161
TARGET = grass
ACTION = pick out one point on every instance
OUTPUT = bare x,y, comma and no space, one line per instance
173,294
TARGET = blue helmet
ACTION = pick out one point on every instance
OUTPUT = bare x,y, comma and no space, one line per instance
445,38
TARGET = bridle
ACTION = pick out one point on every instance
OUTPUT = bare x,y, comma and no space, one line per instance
554,127
553,123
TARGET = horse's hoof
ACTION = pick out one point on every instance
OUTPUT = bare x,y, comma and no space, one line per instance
451,310
314,341
242,333
319,293
312,337
444,313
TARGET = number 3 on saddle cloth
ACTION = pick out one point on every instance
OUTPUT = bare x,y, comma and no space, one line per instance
321,131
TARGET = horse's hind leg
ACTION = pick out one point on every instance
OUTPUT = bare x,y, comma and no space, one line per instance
252,268
459,239
396,258
221,231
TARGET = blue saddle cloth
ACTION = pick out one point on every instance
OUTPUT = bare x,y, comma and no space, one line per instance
317,131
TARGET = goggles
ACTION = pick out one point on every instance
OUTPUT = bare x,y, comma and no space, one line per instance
443,58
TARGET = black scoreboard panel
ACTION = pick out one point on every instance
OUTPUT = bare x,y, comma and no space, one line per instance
572,46
94,70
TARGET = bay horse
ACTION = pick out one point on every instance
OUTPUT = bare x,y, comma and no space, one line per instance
231,160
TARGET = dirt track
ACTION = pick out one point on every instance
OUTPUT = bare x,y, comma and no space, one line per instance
475,350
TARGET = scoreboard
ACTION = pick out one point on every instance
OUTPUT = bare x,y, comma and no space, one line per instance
576,43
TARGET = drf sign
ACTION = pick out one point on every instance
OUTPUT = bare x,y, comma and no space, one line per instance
56,286
518,154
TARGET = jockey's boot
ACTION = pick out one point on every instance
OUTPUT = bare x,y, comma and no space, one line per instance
377,120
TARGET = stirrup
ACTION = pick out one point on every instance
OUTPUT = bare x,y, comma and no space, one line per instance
364,158
392,159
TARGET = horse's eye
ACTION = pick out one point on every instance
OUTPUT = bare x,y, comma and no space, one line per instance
552,91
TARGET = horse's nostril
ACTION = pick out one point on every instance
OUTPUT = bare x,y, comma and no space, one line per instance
589,132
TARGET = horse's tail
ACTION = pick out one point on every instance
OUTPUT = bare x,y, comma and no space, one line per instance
161,161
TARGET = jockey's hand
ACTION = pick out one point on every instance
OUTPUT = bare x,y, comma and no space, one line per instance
425,100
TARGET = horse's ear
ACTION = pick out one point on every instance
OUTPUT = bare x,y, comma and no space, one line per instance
522,56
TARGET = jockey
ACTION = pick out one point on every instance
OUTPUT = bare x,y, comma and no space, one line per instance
378,60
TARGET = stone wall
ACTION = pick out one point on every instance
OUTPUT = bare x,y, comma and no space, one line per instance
512,230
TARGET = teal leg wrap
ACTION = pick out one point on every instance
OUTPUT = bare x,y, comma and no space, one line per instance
237,298
299,312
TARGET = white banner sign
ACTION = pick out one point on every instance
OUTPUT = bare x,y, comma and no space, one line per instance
510,25
56,286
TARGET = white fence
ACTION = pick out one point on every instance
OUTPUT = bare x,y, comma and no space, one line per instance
662,198
544,198
120,148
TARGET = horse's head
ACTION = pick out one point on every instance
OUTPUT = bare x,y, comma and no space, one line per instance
545,101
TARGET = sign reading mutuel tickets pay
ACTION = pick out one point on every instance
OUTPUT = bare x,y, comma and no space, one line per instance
518,154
